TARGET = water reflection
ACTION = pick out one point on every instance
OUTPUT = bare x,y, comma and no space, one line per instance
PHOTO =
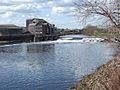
26,57
32,48
49,66
10,49
37,48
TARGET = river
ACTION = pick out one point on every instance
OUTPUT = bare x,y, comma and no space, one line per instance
50,65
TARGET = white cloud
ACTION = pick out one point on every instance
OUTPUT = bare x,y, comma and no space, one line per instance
47,15
58,10
51,2
22,8
17,11
67,1
18,1
72,8
22,0
63,10
7,14
32,6
49,20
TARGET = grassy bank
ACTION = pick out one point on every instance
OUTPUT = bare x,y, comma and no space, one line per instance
106,34
106,77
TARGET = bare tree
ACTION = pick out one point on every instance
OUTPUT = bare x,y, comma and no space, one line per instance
91,8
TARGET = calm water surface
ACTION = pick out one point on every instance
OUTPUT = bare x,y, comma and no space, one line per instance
50,66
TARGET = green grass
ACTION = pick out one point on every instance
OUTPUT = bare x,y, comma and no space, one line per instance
106,34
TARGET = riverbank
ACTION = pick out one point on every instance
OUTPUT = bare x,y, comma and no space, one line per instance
106,77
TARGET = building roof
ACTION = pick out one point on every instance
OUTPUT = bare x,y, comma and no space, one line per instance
8,26
37,21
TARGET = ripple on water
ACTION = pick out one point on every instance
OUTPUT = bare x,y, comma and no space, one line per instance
50,66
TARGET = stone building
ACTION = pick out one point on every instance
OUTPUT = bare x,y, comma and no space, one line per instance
40,27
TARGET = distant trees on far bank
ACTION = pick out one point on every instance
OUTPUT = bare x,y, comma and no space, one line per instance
70,31
92,30
100,32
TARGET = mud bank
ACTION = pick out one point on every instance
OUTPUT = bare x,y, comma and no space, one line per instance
106,77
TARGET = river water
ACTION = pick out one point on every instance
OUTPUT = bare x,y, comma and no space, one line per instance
50,66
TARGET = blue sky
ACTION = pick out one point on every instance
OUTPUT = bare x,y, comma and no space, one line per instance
59,12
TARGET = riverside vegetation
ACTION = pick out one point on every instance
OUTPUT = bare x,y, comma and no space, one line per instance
107,76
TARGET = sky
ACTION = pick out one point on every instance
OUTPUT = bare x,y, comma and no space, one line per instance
58,12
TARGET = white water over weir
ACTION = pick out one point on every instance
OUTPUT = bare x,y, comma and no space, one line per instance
82,40
66,39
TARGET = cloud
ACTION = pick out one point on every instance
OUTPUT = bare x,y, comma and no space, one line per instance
63,10
61,7
35,6
23,8
17,1
47,15
58,10
7,14
27,8
17,11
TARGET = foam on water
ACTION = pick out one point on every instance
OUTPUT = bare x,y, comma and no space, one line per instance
59,41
